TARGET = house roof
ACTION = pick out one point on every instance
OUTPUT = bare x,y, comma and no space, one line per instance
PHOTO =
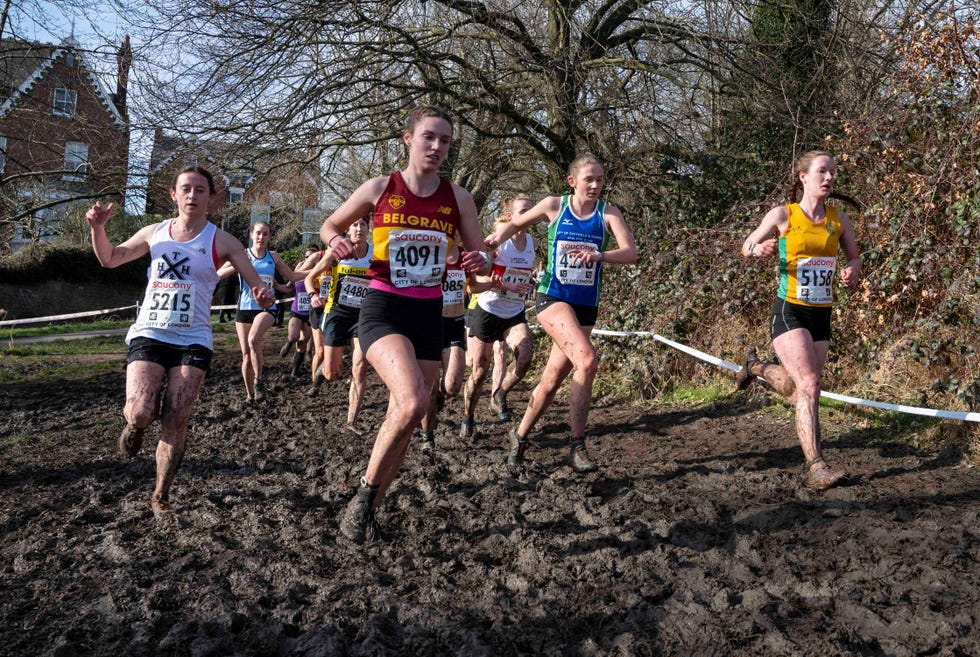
24,63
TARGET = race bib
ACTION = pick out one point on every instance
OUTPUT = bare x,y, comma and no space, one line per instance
516,276
168,305
567,271
268,280
454,292
815,280
352,291
417,257
303,303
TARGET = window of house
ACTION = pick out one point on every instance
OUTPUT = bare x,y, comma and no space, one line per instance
65,101
3,152
76,160
69,59
235,194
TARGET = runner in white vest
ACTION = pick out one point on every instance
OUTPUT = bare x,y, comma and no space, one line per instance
170,343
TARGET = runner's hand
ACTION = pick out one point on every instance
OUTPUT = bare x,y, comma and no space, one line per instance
474,262
342,248
315,301
766,248
582,257
97,215
264,296
851,272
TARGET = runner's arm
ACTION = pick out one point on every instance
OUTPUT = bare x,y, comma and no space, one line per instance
112,256
545,210
232,251
473,260
760,242
625,251
852,268
285,270
358,204
321,266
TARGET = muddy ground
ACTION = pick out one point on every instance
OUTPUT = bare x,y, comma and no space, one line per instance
694,538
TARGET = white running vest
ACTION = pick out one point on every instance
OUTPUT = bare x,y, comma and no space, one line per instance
513,266
176,306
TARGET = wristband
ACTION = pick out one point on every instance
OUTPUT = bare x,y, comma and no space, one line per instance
602,256
332,239
752,246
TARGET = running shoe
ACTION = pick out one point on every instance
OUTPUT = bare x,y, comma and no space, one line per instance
427,442
357,520
259,391
466,428
744,376
820,476
578,458
515,456
354,429
130,441
159,505
498,405
285,348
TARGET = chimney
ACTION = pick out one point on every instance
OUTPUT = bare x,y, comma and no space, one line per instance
124,58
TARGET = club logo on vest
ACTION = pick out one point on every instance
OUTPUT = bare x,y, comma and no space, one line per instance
396,201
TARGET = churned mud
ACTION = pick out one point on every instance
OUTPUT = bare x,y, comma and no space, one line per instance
694,538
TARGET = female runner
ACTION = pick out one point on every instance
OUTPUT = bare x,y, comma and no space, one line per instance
417,217
567,303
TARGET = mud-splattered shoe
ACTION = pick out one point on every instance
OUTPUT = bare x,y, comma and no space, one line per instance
318,381
578,458
357,519
286,347
259,391
298,358
466,428
354,429
130,441
160,505
820,476
498,405
515,456
744,377
427,442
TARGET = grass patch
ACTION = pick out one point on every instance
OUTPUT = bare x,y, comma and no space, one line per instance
696,394
18,440
59,329
64,360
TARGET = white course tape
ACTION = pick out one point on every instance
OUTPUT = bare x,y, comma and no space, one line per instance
95,313
52,318
900,408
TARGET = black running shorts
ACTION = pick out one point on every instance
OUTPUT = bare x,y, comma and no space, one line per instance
248,316
419,320
788,316
169,355
453,332
586,315
339,327
488,327
316,318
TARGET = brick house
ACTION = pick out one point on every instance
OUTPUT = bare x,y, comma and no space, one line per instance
64,140
252,184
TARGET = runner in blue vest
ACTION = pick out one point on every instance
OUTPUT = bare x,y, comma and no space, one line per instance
568,296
